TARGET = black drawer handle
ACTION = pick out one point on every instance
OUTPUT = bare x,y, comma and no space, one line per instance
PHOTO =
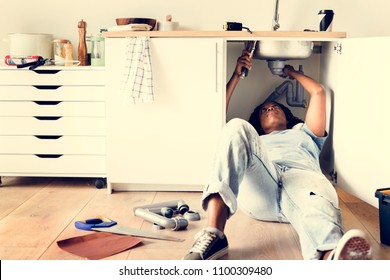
48,156
47,118
47,102
46,87
46,71
48,137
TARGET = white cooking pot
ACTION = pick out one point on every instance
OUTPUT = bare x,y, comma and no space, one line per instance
26,44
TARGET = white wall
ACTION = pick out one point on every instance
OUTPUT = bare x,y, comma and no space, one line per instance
357,17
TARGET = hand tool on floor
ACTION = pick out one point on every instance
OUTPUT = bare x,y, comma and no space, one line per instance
104,224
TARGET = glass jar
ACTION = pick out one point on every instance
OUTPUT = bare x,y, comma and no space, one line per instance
59,50
97,52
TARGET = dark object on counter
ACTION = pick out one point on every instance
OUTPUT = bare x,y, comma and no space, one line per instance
325,20
232,26
34,64
149,21
82,48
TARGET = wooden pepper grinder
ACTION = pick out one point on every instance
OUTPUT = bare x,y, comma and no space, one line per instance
82,49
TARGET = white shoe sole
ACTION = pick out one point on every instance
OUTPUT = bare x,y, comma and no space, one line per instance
353,246
219,254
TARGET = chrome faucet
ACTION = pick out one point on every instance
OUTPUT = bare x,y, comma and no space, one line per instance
275,20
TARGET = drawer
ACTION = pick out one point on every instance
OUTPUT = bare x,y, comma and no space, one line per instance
57,164
52,76
52,93
54,144
52,108
88,126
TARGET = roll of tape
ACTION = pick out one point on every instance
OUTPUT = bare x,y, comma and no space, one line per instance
191,216
168,25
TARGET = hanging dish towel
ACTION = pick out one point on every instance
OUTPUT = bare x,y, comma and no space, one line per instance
138,79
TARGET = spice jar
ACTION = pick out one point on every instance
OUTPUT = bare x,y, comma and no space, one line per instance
59,50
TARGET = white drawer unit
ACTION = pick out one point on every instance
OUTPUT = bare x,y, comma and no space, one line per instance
52,122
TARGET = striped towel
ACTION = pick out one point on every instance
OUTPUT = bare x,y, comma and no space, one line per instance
138,79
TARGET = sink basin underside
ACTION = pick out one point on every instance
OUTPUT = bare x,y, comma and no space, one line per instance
283,50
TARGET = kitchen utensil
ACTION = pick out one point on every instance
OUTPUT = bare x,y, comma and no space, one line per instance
82,47
29,44
34,64
149,21
104,224
40,61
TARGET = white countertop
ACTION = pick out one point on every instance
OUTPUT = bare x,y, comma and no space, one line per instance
233,35
3,66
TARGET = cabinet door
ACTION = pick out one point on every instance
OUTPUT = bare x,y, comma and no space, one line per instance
171,140
360,76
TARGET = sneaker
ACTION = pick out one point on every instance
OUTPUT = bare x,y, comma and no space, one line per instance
352,246
210,244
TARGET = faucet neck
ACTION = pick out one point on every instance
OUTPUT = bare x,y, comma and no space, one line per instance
275,20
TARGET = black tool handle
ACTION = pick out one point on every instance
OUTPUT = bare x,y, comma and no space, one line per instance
244,72
31,63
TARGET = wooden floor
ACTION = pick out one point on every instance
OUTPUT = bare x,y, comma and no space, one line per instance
37,212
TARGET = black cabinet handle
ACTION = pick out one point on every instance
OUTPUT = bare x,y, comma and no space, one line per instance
47,118
49,155
46,87
47,102
46,71
48,137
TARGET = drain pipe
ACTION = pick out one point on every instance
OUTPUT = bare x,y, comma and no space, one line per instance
173,223
298,100
284,88
161,214
293,99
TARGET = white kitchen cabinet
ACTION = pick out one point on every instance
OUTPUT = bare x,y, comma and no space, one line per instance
356,70
52,122
166,144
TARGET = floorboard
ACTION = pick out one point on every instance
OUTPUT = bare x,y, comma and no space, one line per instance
35,213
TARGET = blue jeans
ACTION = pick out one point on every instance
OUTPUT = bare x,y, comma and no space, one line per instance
243,175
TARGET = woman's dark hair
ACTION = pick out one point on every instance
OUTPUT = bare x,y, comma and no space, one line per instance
254,119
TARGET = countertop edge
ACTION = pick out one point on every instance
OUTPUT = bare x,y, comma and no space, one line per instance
229,35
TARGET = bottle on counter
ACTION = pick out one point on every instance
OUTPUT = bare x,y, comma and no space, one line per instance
88,42
98,49
68,54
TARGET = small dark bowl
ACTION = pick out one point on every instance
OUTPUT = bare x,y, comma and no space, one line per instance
124,21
